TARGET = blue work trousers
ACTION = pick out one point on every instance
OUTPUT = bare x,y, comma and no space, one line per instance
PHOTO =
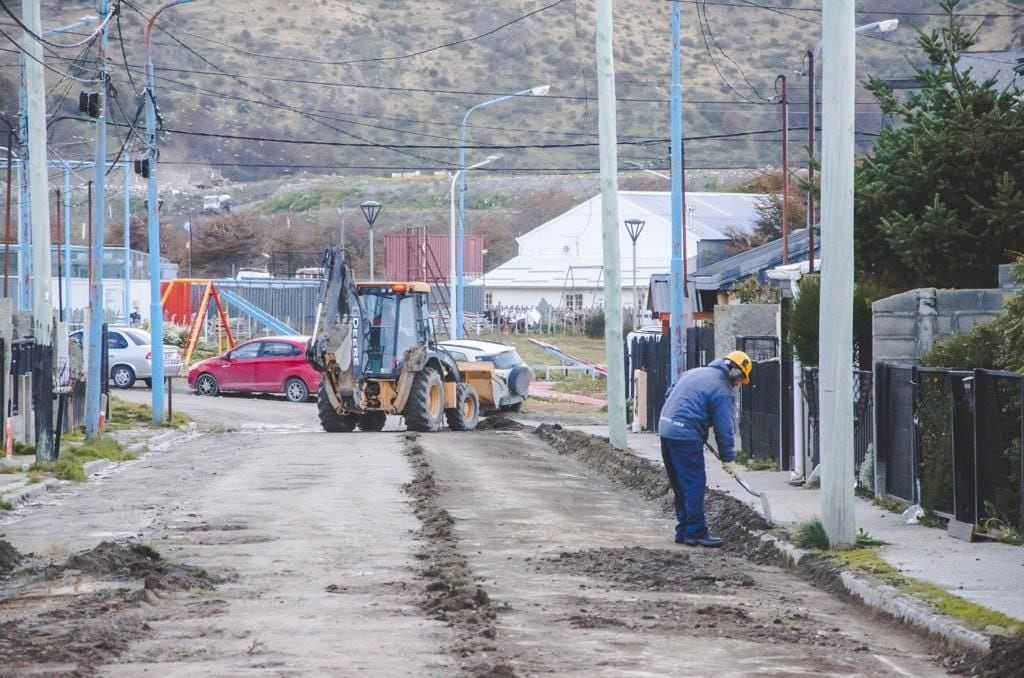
684,463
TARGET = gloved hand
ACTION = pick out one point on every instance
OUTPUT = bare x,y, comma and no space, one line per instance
729,467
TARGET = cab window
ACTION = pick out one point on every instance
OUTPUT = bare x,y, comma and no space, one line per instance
246,351
115,340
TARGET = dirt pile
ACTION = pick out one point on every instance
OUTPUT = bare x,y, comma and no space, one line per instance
728,517
110,560
1004,660
450,594
498,422
641,569
9,557
75,633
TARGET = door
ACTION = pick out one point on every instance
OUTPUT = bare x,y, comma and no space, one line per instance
237,371
118,348
278,360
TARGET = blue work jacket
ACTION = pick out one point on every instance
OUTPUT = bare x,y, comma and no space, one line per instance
702,398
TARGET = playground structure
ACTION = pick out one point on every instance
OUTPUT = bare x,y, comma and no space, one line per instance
278,307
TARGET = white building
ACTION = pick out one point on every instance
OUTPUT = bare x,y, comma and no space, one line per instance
560,261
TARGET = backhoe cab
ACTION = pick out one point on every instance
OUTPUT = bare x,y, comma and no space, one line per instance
374,343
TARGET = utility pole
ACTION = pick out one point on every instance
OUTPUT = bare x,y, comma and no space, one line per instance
785,172
678,289
95,377
67,233
24,197
608,139
128,238
39,191
811,221
836,325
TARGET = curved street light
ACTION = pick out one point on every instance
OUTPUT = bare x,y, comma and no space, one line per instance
539,91
634,227
371,209
452,292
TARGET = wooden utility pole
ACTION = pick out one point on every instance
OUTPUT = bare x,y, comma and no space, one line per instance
608,140
836,324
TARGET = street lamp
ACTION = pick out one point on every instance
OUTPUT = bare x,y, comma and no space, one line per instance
812,57
455,331
156,312
461,305
634,227
371,208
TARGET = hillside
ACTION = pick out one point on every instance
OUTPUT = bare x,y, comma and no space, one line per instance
337,72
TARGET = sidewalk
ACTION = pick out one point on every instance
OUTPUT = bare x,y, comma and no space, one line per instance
546,390
987,573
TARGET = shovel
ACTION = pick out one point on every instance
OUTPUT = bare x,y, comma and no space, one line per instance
766,508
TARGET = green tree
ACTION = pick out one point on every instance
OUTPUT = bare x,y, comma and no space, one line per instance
805,322
938,201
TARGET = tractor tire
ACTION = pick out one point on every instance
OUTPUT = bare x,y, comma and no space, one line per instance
330,420
424,410
373,421
466,413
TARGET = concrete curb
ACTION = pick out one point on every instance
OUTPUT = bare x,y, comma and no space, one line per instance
26,492
889,600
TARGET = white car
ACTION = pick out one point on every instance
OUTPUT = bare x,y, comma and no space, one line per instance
513,376
130,356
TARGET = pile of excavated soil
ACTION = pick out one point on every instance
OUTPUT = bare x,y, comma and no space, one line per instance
497,422
9,557
1004,660
727,517
450,593
110,560
74,634
641,569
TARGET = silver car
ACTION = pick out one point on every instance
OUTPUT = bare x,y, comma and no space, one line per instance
512,375
130,351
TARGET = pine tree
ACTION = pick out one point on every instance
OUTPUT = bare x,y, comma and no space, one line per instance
939,201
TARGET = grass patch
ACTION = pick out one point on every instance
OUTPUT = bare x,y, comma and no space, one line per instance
21,448
76,436
579,346
891,505
6,505
583,385
811,535
755,464
125,415
71,465
34,478
868,562
44,467
9,469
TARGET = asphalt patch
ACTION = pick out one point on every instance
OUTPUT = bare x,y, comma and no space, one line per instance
641,569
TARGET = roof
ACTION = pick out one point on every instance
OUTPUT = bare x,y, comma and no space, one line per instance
659,299
567,251
725,273
481,345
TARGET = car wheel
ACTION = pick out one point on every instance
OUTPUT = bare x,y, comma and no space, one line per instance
296,390
206,385
122,376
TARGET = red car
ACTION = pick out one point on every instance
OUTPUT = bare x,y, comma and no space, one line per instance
264,365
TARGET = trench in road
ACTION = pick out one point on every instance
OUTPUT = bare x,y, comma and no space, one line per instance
586,580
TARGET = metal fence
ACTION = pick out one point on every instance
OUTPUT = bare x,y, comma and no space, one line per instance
761,412
953,441
863,423
653,355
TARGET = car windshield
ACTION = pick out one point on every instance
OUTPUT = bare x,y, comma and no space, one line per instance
505,360
138,337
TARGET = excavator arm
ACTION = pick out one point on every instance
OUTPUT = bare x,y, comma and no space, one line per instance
338,344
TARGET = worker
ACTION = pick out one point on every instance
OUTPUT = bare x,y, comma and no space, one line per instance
701,399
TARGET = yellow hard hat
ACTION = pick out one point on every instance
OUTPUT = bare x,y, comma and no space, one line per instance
742,362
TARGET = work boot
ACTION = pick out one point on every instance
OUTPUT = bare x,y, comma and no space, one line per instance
706,541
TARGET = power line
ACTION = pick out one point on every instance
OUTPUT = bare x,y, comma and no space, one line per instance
39,61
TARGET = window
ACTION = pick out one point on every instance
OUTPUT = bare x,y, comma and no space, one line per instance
505,360
458,356
488,300
246,351
279,349
574,302
407,326
115,340
139,337
380,309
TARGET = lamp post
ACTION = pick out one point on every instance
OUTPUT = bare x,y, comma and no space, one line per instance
634,227
813,57
460,255
455,331
371,209
156,312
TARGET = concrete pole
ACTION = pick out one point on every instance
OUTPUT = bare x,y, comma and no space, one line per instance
39,190
67,239
811,221
24,196
371,253
452,254
128,238
836,328
785,172
678,289
96,378
636,299
608,140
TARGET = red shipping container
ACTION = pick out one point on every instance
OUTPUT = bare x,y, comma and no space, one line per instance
415,257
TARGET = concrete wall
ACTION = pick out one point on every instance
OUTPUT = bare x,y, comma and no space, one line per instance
906,326
743,320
